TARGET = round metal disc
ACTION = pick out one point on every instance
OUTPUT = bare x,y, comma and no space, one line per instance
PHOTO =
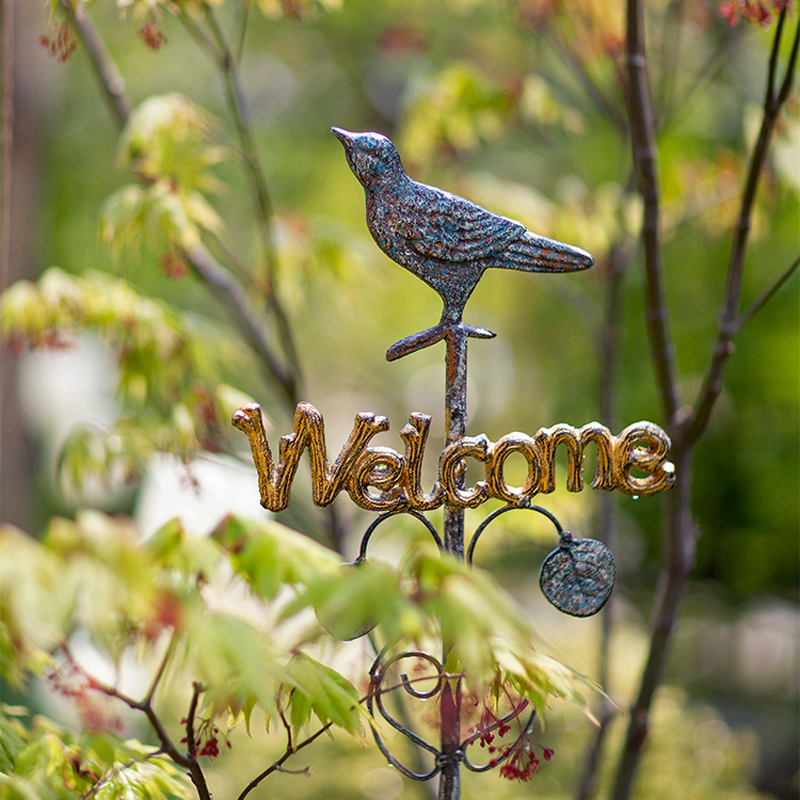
578,576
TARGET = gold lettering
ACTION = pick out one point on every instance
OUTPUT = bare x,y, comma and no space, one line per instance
451,469
415,437
575,440
643,446
495,474
382,468
275,480
398,477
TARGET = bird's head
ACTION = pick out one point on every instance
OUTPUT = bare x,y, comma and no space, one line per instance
371,156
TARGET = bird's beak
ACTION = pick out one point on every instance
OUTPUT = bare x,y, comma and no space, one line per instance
342,135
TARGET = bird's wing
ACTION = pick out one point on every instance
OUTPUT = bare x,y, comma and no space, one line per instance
441,225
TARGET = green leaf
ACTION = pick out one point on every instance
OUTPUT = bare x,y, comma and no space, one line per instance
268,555
351,600
168,137
322,691
236,661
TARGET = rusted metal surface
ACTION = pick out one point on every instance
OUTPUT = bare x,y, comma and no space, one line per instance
445,240
578,576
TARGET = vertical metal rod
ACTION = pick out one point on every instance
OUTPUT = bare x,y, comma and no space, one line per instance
455,428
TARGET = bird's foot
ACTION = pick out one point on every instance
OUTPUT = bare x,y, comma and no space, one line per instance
418,341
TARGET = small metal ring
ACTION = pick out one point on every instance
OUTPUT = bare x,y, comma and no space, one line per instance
502,510
362,553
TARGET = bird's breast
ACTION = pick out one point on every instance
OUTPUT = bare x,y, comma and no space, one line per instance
383,223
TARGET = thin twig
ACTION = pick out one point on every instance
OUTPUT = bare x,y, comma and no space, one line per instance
710,70
788,79
592,88
767,295
161,669
191,743
288,728
92,790
196,32
237,107
670,52
773,60
277,765
245,7
231,292
291,749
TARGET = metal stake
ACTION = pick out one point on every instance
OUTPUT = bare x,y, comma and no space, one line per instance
455,428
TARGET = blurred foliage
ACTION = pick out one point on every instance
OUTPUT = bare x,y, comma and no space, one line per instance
518,105
45,761
166,596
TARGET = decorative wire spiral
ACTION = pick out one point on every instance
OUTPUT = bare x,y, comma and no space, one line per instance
377,675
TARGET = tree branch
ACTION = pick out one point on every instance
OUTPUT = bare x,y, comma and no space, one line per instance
291,749
234,97
92,790
644,159
161,669
245,13
232,294
213,274
237,107
111,83
618,261
680,533
593,90
276,766
191,744
137,705
677,561
729,321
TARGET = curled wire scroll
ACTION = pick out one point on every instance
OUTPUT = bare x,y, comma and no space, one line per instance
375,700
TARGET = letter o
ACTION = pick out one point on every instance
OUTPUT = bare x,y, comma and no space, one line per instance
495,478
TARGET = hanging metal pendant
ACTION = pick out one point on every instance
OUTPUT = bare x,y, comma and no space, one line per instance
578,576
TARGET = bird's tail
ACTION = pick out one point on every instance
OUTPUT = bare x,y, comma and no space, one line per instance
532,253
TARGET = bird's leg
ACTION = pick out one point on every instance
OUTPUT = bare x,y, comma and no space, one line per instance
444,329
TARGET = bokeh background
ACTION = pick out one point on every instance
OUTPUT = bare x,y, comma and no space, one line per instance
483,99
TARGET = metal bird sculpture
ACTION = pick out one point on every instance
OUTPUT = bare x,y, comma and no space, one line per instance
441,238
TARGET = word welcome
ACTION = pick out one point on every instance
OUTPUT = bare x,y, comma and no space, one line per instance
381,479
